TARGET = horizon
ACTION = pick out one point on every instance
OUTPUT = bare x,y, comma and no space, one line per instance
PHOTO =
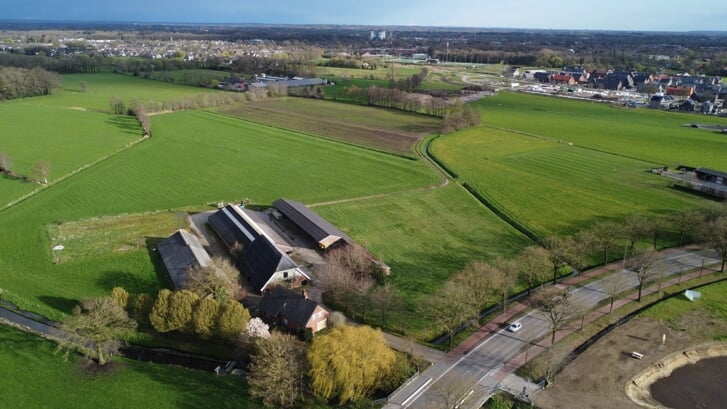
618,15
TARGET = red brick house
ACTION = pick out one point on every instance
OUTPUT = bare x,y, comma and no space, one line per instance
562,79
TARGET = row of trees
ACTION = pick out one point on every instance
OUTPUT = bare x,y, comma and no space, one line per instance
22,83
397,99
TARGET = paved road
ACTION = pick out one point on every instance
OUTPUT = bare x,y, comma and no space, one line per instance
483,369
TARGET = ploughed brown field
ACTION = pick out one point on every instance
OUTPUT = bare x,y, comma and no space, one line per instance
380,129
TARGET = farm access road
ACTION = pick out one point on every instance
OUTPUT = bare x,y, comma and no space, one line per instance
485,362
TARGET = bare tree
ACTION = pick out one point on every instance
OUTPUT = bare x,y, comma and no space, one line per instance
605,235
557,247
503,277
634,229
96,325
477,286
580,250
450,391
448,310
41,170
219,280
6,163
558,306
685,221
532,265
714,233
654,226
386,301
643,262
614,285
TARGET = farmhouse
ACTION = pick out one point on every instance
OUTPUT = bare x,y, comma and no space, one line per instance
180,252
281,306
264,264
234,226
323,232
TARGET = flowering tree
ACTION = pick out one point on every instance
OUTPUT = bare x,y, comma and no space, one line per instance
256,328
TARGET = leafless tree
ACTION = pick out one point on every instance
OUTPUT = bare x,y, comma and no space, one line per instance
447,309
634,229
503,278
386,300
605,235
558,306
450,391
614,285
477,286
685,221
714,233
41,170
654,226
532,265
5,162
643,262
557,247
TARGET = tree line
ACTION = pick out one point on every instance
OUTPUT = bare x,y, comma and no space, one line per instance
22,82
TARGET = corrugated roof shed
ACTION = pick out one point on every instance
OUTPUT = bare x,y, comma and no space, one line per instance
323,232
232,225
282,302
180,252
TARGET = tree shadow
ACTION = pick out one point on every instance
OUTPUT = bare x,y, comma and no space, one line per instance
133,283
161,271
127,124
60,303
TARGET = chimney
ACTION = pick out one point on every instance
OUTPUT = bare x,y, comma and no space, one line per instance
305,293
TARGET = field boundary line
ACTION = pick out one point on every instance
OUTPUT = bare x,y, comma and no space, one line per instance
70,174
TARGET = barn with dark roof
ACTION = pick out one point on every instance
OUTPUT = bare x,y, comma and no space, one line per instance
323,232
234,227
264,264
180,252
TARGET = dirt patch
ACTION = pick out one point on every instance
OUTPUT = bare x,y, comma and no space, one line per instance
597,378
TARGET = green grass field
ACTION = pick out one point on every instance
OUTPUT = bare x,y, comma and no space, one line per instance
425,236
37,377
385,130
554,188
649,135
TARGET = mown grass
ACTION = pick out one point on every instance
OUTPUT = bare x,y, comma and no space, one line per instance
554,188
37,377
425,236
386,130
649,135
193,158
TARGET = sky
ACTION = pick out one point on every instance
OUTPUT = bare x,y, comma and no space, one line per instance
665,15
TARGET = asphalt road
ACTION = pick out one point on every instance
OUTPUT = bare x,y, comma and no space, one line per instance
477,374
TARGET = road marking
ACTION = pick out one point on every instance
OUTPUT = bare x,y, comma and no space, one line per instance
419,389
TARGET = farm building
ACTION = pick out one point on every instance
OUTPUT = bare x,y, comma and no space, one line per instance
323,232
712,176
234,226
281,306
264,264
180,252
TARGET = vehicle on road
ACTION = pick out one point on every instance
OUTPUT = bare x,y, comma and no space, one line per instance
515,326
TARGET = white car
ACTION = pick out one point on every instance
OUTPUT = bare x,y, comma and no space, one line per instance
515,326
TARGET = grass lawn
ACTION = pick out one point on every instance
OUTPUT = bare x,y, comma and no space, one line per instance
425,236
649,135
387,130
554,188
194,158
37,377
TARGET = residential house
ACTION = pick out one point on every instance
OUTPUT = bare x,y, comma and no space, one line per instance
680,91
641,78
292,310
562,79
542,76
